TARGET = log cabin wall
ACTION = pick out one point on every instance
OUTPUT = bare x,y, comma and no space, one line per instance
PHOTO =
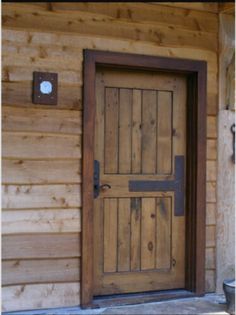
42,144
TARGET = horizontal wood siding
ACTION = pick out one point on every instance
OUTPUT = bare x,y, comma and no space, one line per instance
35,296
21,271
41,196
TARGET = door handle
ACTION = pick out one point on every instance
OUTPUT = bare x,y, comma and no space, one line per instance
96,179
105,187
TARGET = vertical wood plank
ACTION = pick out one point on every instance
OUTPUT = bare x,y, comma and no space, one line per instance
125,107
124,234
164,133
111,130
149,132
179,115
99,145
87,188
136,131
110,235
135,234
148,232
163,232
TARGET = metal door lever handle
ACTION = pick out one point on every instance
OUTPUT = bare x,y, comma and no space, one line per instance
105,187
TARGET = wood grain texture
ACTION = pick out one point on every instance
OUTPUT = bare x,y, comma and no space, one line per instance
211,127
211,213
144,12
125,112
88,184
211,149
136,131
211,192
163,35
40,196
225,232
148,229
210,236
164,132
20,94
123,284
21,171
163,233
207,7
135,244
24,72
123,240
40,246
29,145
58,39
211,170
111,130
110,235
227,8
43,57
48,270
210,258
41,120
149,99
41,221
35,296
60,48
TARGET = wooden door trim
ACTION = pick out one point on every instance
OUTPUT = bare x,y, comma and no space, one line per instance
196,72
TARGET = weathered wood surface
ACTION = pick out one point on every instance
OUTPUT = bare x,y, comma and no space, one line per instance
210,236
211,149
21,171
143,13
227,8
41,145
211,213
40,196
211,192
134,232
210,258
20,94
40,271
41,221
211,170
226,200
211,127
35,296
41,120
37,246
88,23
207,7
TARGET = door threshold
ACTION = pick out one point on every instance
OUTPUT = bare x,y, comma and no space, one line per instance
139,298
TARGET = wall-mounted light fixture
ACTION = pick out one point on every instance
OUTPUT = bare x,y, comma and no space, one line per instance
45,88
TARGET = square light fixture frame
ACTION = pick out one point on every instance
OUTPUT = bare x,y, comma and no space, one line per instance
45,86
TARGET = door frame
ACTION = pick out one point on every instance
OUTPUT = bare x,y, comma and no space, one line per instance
196,72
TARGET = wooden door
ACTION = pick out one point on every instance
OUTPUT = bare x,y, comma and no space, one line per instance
139,214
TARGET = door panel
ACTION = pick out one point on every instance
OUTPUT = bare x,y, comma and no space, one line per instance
139,142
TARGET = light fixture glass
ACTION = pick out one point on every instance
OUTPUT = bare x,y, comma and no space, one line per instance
46,87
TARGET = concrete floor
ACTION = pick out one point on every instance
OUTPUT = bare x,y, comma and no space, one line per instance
211,304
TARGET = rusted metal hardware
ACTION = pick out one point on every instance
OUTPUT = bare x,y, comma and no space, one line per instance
96,179
176,185
232,129
105,187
